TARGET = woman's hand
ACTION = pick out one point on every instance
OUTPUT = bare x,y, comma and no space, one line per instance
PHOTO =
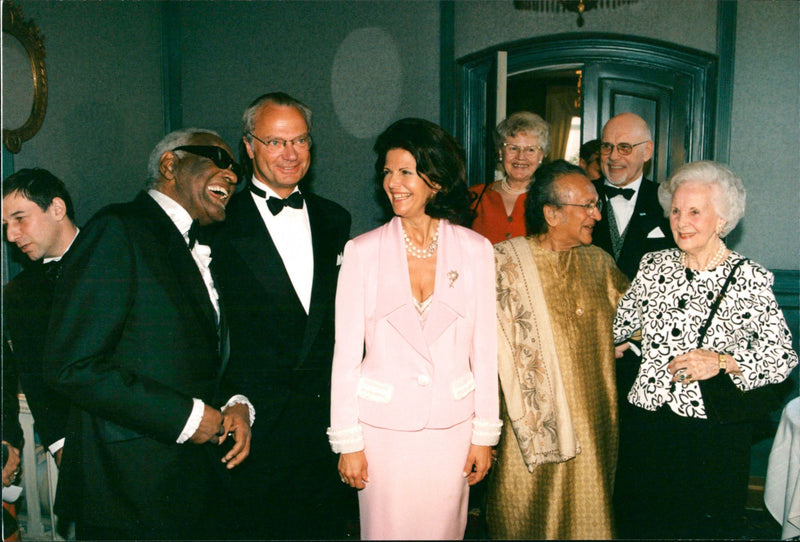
478,462
353,469
697,365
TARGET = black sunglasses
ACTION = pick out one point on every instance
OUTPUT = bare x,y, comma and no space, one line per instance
218,155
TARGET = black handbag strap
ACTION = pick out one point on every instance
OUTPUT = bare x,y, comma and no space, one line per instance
717,301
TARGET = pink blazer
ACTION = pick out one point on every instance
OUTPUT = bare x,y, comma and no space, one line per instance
388,371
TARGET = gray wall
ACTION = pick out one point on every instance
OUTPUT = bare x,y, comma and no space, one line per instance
104,109
358,65
362,64
765,135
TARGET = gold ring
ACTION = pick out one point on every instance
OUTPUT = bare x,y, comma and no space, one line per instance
682,377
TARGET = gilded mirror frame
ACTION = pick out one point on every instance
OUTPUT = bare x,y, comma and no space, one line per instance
28,35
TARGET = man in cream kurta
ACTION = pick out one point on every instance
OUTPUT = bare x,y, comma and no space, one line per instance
555,470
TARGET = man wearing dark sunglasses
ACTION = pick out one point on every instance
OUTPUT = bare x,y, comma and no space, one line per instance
137,342
277,257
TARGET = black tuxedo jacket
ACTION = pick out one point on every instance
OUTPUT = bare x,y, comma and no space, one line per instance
276,349
280,358
642,237
132,340
27,300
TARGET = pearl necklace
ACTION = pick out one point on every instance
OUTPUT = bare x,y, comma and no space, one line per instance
422,253
718,258
514,192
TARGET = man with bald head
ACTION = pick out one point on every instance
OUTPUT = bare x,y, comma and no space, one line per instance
137,343
633,222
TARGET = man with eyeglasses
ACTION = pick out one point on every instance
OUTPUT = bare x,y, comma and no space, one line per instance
633,222
137,342
277,257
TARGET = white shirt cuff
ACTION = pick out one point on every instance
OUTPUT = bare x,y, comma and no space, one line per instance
241,399
486,433
346,441
193,422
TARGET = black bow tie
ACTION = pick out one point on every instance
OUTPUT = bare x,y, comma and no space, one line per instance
197,234
276,205
52,269
612,191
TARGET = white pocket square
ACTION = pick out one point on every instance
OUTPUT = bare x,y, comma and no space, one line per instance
656,233
340,257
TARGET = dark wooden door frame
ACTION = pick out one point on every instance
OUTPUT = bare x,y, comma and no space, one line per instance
571,49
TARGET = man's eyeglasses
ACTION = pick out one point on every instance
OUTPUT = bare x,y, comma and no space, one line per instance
588,207
218,155
276,144
623,148
516,149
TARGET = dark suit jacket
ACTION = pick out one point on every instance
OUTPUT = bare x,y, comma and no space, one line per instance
280,358
132,340
27,300
647,216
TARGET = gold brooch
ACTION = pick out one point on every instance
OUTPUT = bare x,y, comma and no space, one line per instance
452,275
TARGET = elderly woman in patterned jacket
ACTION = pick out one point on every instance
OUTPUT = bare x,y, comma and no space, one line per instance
713,341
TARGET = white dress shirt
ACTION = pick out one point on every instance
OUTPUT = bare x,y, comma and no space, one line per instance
291,232
202,257
623,208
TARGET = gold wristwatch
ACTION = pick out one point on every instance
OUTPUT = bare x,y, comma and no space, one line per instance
723,364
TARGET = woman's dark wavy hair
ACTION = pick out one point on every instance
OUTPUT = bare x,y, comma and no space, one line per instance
440,160
542,191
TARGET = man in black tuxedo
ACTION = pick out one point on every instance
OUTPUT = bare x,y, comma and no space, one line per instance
633,224
137,343
39,218
633,221
277,257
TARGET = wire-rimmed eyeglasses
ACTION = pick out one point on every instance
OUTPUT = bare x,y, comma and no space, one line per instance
276,144
520,150
588,207
623,148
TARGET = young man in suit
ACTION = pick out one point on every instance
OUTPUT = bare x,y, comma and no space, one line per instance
137,343
277,257
38,217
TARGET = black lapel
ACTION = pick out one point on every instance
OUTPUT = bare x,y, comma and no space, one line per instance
182,272
323,238
601,236
645,217
251,240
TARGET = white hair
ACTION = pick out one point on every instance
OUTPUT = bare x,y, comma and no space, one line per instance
174,139
729,193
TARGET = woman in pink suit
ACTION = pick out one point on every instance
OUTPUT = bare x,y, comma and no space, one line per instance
414,398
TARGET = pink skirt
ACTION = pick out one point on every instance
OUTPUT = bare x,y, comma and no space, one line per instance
416,490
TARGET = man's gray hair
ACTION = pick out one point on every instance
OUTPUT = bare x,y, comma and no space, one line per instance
729,194
174,139
275,98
